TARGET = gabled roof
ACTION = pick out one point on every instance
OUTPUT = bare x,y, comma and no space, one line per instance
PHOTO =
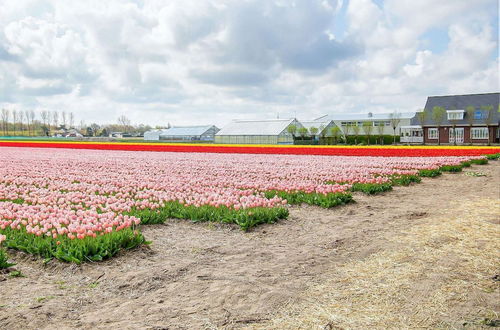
186,130
365,116
256,127
461,102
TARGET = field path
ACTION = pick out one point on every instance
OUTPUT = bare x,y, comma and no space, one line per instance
424,255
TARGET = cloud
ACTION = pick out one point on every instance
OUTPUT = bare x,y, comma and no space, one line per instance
209,61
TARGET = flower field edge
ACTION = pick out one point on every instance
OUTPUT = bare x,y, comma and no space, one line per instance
381,151
74,250
100,247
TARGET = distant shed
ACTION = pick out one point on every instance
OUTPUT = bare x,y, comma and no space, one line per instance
183,133
274,131
153,135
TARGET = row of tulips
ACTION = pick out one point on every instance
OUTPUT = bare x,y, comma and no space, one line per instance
80,205
380,151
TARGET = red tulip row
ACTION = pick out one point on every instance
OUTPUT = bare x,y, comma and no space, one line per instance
388,151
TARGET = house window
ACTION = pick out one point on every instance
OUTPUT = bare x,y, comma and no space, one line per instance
432,133
455,114
348,123
479,133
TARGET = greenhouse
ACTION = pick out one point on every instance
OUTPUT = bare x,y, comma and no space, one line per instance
273,131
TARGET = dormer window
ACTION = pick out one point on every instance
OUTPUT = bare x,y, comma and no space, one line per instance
455,114
478,114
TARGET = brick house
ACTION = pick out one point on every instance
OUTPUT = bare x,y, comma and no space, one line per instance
476,127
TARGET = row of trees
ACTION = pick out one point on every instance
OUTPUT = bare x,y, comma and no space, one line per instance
19,122
47,123
438,115
336,133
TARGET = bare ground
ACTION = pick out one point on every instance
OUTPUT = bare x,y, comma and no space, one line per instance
419,256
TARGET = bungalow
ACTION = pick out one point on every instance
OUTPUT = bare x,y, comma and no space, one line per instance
459,119
183,133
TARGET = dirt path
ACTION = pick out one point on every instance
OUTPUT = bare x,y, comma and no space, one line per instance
212,276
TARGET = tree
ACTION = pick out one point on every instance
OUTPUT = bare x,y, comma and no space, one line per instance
469,116
55,119
368,128
45,120
347,129
314,131
27,117
94,128
395,119
488,109
124,122
356,129
14,120
380,131
335,132
90,132
21,121
421,117
31,116
438,117
46,130
64,119
292,129
71,120
5,120
302,132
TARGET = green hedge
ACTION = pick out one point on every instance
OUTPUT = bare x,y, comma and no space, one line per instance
361,139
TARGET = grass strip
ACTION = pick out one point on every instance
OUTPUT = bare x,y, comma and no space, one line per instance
371,188
493,156
245,218
76,250
323,200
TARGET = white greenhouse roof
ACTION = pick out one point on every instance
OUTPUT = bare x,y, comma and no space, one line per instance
256,127
185,130
365,116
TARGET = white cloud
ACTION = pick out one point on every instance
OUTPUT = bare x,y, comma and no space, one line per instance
201,61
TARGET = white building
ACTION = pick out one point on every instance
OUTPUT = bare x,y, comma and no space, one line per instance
381,122
273,131
153,135
183,133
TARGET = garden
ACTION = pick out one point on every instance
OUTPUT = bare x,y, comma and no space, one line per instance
88,205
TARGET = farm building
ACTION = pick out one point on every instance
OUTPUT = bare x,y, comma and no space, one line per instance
153,135
324,127
183,133
274,131
472,118
380,122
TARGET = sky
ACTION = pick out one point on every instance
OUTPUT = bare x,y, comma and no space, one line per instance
194,62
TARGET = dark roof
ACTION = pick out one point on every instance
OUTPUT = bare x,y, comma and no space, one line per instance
461,102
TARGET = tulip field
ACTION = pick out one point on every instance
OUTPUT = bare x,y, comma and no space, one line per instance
86,205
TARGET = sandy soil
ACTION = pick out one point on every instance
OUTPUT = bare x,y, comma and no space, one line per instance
390,252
